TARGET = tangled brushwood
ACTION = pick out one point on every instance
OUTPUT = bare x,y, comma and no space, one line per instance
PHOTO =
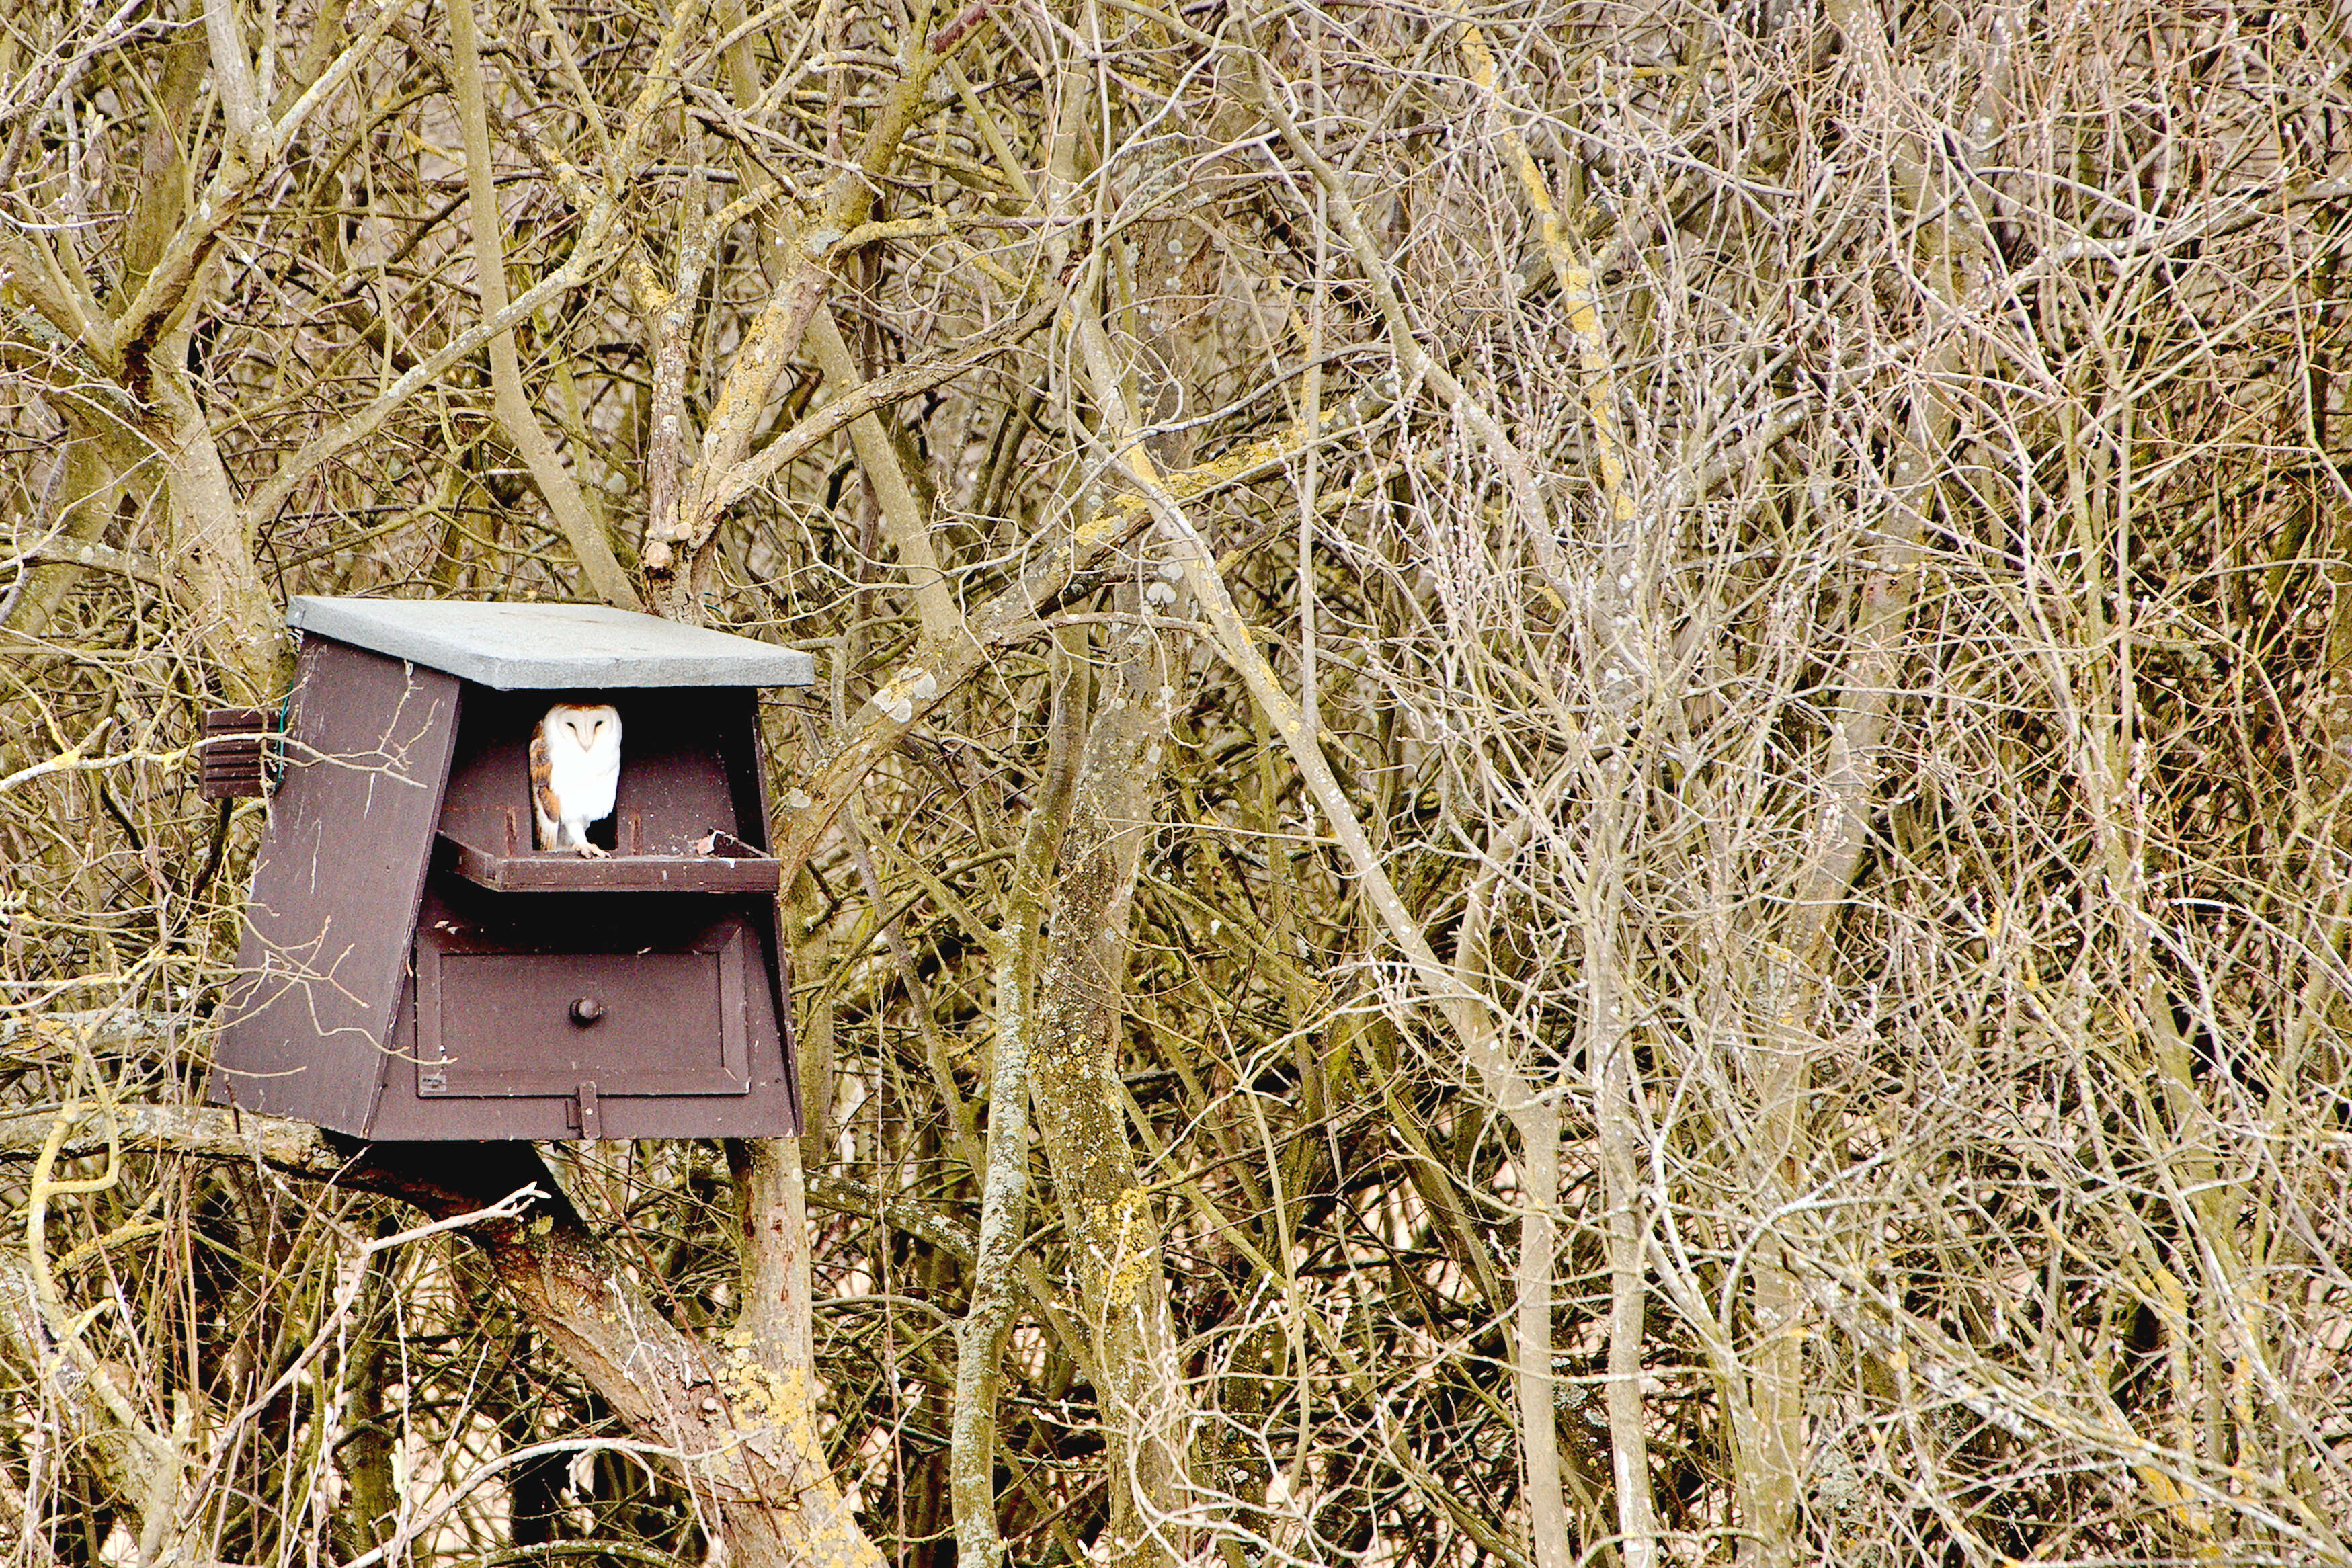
1580,790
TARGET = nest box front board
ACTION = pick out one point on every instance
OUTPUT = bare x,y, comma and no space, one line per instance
414,968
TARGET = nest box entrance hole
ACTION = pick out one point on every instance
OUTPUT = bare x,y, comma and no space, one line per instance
687,770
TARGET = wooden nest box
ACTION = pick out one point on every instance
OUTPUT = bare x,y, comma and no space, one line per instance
414,967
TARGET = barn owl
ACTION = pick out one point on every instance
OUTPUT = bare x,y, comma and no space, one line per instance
575,770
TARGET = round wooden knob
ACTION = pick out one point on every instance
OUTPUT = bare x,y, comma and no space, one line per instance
587,1011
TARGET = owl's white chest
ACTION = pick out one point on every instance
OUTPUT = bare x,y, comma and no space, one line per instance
584,778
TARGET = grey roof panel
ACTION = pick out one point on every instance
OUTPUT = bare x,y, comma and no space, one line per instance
527,647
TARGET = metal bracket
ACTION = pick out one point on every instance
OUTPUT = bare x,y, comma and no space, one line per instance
584,1115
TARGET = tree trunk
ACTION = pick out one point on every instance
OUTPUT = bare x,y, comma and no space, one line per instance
737,1410
1081,1103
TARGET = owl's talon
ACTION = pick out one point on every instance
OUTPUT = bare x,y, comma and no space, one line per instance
593,852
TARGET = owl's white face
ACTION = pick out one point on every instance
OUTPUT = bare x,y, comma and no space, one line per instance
589,728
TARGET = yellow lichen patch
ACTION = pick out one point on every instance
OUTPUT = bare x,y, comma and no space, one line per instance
759,1394
1187,482
1135,1242
754,1389
1575,286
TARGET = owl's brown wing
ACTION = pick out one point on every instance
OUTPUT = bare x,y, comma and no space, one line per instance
546,809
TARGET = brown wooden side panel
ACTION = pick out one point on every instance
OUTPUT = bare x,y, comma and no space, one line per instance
334,898
747,770
740,750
